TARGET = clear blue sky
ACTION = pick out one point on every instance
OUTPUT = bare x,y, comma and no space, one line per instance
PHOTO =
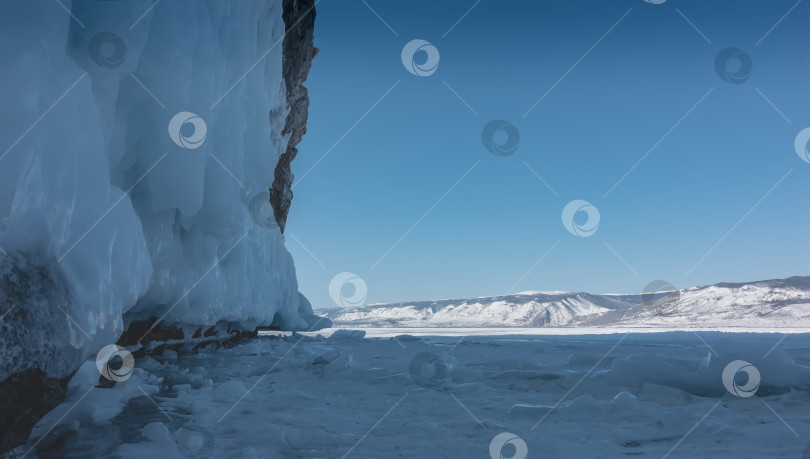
710,171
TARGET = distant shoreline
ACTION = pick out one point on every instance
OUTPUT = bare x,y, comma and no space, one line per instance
389,332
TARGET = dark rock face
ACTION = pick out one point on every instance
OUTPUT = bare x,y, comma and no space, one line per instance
33,330
25,397
150,337
36,355
298,52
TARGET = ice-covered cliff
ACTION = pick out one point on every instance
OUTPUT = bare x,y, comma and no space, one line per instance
139,143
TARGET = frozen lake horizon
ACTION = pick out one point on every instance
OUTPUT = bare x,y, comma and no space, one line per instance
389,332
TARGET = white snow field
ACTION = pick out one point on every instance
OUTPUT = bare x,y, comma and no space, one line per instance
675,394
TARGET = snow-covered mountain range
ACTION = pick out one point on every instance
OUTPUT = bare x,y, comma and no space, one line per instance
770,303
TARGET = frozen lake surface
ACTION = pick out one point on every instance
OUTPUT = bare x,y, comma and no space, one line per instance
554,394
389,332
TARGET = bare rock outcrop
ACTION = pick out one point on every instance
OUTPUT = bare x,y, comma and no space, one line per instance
298,52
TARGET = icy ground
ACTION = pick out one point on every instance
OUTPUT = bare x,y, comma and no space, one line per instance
612,395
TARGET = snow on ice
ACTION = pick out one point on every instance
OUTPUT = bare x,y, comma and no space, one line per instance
609,395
